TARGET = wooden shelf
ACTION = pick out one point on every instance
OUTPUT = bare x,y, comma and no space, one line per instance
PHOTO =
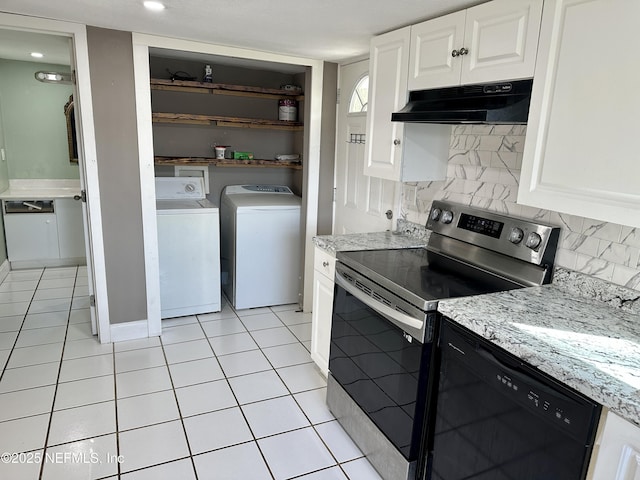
224,89
224,121
201,161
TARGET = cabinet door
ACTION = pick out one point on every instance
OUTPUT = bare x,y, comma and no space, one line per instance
502,40
583,120
387,93
70,228
31,236
321,320
432,60
618,455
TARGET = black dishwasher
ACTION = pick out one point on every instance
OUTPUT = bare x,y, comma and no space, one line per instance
500,419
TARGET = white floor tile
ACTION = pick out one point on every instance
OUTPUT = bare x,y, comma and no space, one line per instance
144,410
285,308
257,386
196,371
136,344
180,469
140,382
19,286
83,422
152,445
302,377
178,321
226,312
99,456
4,356
22,357
41,336
238,342
86,348
11,324
244,362
49,319
302,331
80,331
187,351
24,434
11,309
82,281
339,443
273,416
273,337
52,305
287,355
28,377
333,473
261,321
139,359
51,273
79,315
226,326
214,430
80,302
183,333
291,317
23,471
246,312
7,339
295,453
87,367
205,397
85,392
25,403
56,283
314,405
232,463
307,345
81,291
360,469
53,293
23,275
16,297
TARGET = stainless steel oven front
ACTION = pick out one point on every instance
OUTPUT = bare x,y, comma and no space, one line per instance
380,361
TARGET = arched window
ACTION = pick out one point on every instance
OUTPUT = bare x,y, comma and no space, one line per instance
358,100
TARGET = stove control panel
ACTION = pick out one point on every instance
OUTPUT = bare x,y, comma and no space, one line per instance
517,237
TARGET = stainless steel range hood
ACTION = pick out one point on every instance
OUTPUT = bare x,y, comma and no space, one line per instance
494,103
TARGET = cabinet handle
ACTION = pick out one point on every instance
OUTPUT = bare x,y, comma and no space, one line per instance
463,51
325,264
396,142
455,53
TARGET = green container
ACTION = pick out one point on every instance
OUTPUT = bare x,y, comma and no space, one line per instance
242,156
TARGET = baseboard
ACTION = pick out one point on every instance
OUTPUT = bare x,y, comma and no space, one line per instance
55,262
5,268
136,330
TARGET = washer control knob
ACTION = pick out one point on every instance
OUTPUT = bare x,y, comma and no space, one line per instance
516,235
447,216
435,214
533,240
189,187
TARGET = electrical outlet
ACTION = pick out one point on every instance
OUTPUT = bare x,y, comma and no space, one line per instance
410,195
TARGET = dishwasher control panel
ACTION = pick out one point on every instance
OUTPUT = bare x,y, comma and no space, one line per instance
28,206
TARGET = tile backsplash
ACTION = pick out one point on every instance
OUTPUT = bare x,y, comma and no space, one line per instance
484,171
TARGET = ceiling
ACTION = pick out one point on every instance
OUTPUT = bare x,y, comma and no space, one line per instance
332,30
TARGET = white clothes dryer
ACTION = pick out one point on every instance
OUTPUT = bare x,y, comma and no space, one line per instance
260,245
188,247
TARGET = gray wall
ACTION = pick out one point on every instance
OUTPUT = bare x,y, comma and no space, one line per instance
112,86
327,149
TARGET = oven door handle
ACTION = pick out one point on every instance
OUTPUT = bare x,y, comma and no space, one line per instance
398,318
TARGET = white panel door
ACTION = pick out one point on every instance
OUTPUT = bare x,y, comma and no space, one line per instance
501,40
432,62
70,228
361,201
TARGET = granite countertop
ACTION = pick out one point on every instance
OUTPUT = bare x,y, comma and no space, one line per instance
40,189
367,241
582,342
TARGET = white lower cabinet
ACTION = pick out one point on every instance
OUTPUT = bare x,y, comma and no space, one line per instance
70,228
323,283
31,236
617,452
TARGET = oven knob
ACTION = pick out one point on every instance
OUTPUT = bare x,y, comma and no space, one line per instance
516,235
447,216
533,240
435,214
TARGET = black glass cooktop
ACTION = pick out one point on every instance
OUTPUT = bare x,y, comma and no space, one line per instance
422,276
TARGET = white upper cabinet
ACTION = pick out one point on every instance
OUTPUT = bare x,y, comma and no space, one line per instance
394,150
584,118
490,42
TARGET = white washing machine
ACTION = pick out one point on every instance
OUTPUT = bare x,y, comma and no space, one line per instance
260,245
188,247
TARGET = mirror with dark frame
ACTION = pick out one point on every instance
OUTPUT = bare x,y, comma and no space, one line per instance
71,130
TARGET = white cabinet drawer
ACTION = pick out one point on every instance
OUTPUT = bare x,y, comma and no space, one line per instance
324,262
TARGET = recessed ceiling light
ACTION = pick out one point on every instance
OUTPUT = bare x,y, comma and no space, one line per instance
155,6
37,55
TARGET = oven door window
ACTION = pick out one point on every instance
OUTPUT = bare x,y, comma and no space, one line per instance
382,371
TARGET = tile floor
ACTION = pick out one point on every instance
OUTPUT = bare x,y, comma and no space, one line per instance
228,395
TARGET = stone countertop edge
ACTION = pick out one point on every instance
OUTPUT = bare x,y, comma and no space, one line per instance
583,343
367,241
44,189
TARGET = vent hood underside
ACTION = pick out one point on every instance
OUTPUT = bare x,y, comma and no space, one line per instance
496,103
